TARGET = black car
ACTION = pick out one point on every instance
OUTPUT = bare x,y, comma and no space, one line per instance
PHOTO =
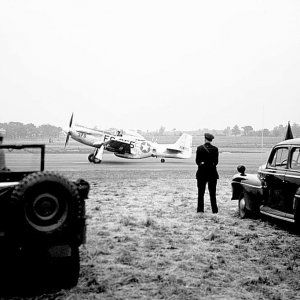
42,220
275,190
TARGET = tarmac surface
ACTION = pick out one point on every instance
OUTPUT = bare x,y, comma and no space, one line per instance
72,161
78,161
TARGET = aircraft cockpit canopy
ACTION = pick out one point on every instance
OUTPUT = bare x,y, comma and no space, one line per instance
119,132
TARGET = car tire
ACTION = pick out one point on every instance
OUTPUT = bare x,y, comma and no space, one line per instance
43,205
243,211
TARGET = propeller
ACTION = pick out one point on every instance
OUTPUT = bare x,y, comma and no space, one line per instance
68,133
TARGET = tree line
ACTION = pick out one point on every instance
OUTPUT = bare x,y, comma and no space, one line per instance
236,130
17,130
248,130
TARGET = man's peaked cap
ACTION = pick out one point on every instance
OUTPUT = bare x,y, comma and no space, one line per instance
209,136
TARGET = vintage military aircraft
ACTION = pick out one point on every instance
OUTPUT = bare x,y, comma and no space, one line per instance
127,144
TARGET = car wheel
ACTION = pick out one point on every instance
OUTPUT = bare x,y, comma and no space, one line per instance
243,211
44,205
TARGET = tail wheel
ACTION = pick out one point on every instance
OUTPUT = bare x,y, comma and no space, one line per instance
44,204
162,160
243,211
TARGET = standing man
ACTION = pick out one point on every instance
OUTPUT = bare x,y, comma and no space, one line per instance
207,158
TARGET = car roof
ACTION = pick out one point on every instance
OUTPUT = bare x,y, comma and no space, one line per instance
290,142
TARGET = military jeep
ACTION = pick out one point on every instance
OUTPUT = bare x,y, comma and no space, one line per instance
42,220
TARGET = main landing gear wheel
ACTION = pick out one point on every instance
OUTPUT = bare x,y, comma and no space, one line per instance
162,160
93,159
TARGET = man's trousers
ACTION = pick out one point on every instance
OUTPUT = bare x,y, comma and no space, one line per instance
212,186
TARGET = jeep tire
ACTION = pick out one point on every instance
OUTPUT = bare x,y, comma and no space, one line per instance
43,206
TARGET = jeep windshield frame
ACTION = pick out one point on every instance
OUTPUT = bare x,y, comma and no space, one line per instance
25,146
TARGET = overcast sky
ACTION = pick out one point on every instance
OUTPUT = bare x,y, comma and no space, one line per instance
144,64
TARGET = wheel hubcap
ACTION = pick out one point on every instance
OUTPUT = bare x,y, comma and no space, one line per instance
242,205
46,212
45,207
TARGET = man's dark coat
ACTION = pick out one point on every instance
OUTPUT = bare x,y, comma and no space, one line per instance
207,158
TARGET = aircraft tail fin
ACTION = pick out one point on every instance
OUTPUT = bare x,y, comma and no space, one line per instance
184,142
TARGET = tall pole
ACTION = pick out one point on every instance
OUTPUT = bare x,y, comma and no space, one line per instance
262,136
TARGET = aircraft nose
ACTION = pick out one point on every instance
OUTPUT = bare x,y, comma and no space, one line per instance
66,130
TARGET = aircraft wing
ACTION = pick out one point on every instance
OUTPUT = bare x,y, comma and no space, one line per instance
119,146
99,145
115,145
114,142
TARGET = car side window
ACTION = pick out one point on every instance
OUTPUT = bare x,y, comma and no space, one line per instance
279,158
295,162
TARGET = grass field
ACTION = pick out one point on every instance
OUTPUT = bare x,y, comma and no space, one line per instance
146,241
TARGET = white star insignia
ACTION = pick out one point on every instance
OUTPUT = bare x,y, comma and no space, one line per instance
145,147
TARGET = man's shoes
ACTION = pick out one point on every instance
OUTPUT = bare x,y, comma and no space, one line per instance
215,211
200,211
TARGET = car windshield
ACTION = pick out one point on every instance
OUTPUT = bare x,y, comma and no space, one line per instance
19,158
295,162
279,158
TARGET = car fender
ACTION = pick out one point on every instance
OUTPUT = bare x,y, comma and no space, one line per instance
296,202
296,208
248,186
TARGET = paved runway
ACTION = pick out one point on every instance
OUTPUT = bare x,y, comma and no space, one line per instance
78,161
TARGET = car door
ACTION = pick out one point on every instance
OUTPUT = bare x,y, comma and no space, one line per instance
292,180
273,179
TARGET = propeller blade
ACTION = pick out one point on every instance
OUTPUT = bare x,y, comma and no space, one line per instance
71,121
67,139
69,129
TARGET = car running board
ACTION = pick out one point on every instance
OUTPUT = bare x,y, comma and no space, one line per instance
265,210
